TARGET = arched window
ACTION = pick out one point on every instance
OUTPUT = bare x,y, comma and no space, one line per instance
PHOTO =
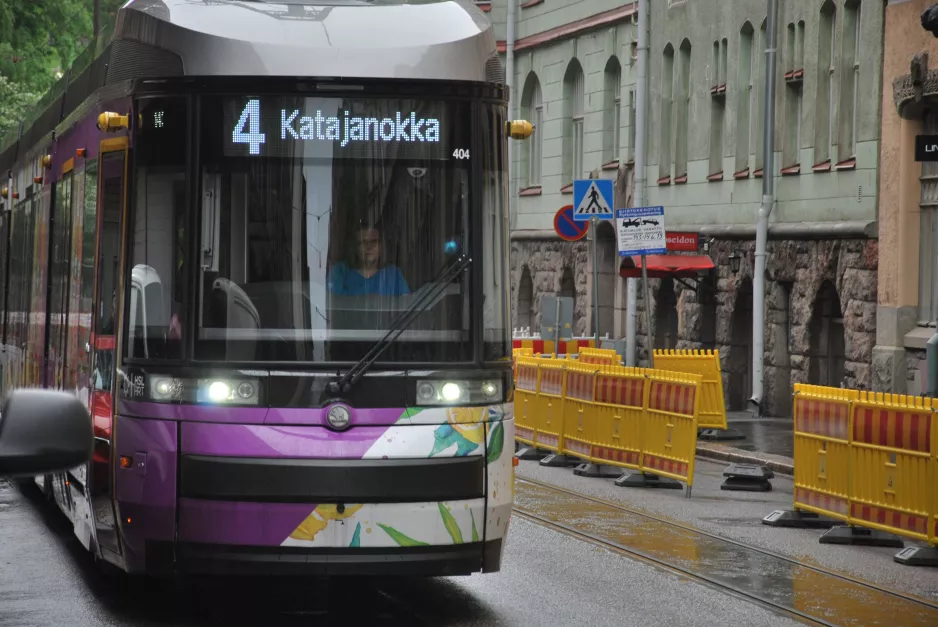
744,95
532,109
612,107
573,97
667,86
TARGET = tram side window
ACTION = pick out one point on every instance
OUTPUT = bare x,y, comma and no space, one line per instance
155,301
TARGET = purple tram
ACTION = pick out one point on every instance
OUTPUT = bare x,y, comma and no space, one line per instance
267,244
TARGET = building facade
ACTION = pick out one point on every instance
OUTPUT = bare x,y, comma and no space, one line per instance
908,208
575,79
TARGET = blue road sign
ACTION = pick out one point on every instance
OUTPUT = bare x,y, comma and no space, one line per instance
566,227
641,231
592,198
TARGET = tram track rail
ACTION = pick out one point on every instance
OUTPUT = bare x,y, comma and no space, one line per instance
805,592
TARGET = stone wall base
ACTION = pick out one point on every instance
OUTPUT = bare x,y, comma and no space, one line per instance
820,315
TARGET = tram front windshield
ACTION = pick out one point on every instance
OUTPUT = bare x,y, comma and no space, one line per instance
323,219
318,221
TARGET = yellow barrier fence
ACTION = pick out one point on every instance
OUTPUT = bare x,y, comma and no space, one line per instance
549,405
669,431
892,455
609,415
598,356
525,399
822,433
705,363
619,410
869,460
579,420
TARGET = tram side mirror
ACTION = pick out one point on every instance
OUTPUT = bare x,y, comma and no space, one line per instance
43,431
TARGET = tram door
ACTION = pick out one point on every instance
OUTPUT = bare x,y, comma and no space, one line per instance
112,198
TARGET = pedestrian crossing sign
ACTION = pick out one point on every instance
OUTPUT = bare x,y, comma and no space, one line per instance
592,198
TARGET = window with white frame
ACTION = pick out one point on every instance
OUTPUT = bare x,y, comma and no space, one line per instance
612,106
573,119
532,109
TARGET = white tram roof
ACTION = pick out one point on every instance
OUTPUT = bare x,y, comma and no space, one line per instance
441,40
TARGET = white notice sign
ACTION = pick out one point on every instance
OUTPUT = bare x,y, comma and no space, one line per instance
641,231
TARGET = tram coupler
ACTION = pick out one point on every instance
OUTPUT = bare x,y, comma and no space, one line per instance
646,480
601,471
861,536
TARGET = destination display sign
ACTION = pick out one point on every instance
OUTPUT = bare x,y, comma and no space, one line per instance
340,128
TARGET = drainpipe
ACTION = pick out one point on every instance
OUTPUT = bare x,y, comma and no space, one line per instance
641,100
765,210
512,99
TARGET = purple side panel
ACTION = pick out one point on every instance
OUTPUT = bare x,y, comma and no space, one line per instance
146,493
200,413
264,441
87,135
255,524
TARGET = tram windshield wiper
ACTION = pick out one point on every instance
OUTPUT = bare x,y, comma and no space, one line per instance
434,289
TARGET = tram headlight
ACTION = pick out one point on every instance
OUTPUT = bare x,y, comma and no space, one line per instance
165,389
450,392
443,392
228,391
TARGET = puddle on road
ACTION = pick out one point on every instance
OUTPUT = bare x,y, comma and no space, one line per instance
814,593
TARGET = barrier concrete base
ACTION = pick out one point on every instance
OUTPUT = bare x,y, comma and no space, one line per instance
597,470
530,453
798,520
643,480
556,460
720,435
918,556
861,536
747,478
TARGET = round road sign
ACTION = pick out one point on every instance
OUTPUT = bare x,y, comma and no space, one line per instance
568,228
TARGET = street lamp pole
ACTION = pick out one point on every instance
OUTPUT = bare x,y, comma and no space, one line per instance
765,210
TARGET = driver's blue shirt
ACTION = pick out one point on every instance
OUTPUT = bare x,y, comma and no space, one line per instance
388,281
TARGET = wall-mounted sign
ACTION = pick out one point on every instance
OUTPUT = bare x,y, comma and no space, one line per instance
683,242
641,231
567,227
926,148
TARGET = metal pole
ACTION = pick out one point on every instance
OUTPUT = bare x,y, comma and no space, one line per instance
641,91
96,18
512,101
650,344
765,210
557,326
594,222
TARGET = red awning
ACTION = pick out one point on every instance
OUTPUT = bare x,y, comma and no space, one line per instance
666,266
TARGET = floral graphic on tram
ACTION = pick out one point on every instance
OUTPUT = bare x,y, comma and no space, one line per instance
467,431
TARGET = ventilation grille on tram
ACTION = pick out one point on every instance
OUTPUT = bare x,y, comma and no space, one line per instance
494,71
132,59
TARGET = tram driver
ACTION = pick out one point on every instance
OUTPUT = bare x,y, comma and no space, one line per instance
365,274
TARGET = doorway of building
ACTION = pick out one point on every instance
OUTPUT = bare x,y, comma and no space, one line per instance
827,346
666,327
739,360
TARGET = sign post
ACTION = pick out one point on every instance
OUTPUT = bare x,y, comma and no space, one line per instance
641,232
592,202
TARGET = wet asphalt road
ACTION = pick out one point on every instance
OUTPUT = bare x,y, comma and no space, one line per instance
547,578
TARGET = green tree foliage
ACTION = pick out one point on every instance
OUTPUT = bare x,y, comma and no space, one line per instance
39,39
